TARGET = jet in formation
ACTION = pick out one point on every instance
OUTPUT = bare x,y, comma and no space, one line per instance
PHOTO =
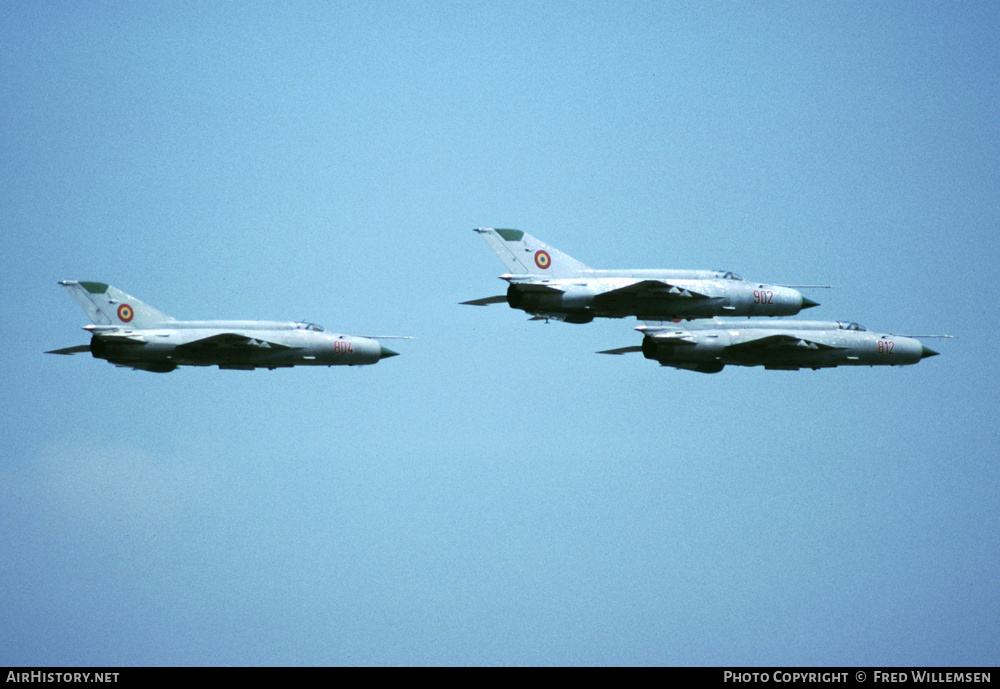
127,332
549,284
708,346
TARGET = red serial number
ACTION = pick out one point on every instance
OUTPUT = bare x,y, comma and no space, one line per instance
762,296
886,346
343,347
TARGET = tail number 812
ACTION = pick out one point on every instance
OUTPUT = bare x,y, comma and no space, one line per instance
886,346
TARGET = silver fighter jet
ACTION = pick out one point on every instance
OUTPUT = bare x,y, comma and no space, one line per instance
127,332
549,284
708,346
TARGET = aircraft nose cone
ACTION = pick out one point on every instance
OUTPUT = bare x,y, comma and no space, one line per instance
808,303
924,352
385,353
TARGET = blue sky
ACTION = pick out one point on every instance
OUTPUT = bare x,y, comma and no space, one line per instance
498,494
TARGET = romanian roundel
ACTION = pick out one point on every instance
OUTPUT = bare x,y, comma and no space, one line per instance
542,259
125,313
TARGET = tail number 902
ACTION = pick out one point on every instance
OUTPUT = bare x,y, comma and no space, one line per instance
763,296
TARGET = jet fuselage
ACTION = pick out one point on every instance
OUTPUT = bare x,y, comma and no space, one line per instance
790,345
685,294
127,332
232,345
549,284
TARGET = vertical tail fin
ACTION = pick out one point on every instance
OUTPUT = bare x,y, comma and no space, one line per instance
527,255
107,305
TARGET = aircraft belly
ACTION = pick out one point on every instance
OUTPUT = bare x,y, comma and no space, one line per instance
699,353
718,349
124,351
237,359
328,351
787,359
656,309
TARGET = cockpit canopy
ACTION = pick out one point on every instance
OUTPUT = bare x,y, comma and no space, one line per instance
309,326
728,275
844,325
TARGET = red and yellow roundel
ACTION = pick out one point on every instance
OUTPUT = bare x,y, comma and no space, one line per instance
125,313
542,259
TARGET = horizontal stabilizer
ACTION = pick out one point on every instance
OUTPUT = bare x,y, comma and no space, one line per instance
122,338
675,338
79,349
486,301
534,287
622,350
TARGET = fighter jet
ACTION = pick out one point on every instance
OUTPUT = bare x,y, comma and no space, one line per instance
549,284
708,346
127,332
